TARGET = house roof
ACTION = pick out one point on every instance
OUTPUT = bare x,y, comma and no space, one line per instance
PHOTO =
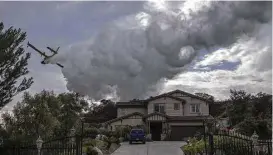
165,95
189,118
132,103
143,103
188,94
123,117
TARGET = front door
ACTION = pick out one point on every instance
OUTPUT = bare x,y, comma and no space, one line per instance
156,130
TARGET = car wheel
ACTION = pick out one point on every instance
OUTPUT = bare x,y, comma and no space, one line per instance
144,142
130,142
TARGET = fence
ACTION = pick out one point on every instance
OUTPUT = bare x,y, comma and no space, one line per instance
15,149
62,146
230,143
71,145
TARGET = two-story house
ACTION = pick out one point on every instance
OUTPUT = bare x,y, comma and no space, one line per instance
178,113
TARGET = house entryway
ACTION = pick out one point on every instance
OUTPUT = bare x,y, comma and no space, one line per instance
156,130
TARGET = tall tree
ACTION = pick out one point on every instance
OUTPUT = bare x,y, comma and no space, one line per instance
248,113
45,114
13,64
240,107
72,105
32,116
102,112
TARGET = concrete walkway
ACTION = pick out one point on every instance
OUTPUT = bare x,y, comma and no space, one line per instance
151,148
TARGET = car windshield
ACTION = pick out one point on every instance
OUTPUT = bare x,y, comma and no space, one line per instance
137,131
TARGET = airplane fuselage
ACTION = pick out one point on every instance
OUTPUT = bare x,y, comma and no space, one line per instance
47,58
46,61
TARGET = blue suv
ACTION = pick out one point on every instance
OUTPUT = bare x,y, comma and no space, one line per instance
137,135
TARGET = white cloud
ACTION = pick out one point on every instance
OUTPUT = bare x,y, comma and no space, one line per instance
254,74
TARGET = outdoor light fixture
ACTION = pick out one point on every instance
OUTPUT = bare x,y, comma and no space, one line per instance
72,132
39,143
255,136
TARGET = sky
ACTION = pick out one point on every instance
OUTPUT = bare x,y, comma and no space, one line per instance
115,48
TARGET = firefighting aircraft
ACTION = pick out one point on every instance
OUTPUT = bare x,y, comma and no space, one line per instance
46,57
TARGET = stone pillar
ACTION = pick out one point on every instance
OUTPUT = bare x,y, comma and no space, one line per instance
149,127
149,136
255,143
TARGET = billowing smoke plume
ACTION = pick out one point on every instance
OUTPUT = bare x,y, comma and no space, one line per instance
129,57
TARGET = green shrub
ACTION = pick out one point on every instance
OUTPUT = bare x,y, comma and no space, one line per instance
110,140
114,140
90,142
194,147
117,133
227,145
126,130
231,145
91,151
122,131
104,132
92,131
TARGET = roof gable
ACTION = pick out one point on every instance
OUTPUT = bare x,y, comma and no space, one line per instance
124,117
187,94
143,103
166,96
132,103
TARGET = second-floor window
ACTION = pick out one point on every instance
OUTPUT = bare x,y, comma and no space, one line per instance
159,107
176,106
195,108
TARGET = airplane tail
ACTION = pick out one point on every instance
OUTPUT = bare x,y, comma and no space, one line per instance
53,51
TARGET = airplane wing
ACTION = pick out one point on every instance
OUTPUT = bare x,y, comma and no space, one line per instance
60,65
33,47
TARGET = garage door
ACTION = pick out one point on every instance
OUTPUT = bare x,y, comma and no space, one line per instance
178,133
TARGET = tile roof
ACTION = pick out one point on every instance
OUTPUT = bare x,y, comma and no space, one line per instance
189,118
188,94
141,103
167,96
123,117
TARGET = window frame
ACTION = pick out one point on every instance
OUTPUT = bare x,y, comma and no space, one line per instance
195,105
160,105
176,106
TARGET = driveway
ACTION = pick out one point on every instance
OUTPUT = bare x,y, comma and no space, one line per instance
151,148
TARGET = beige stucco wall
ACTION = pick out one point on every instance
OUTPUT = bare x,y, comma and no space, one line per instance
130,110
204,107
126,121
169,106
